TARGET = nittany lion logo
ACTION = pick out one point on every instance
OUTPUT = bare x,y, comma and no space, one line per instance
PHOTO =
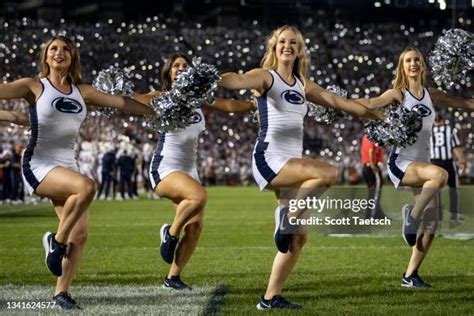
196,118
422,109
293,97
66,105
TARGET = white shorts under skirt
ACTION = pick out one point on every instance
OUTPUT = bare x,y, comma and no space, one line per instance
266,165
161,166
34,170
397,165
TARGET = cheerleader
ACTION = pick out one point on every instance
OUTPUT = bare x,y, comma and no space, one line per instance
173,175
57,106
410,166
283,88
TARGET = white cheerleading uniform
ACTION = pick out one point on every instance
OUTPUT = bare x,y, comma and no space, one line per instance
177,151
401,158
55,121
282,109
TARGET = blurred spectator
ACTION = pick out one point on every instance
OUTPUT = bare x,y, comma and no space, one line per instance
88,160
109,166
7,172
372,159
126,167
17,179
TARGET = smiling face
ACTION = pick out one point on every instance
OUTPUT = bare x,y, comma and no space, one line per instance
411,68
287,49
61,55
412,64
58,55
178,66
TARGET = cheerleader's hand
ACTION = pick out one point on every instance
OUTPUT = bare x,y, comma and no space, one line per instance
381,117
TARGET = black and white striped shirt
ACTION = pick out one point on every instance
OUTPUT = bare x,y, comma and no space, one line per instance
443,141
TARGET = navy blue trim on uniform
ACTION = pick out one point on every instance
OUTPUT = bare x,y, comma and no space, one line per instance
42,90
290,85
271,85
157,158
27,172
52,85
262,166
429,94
397,172
80,93
416,97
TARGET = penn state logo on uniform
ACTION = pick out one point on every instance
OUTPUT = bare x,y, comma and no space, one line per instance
293,97
422,109
196,118
66,105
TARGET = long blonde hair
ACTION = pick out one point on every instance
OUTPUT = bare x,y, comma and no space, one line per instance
73,73
269,60
401,80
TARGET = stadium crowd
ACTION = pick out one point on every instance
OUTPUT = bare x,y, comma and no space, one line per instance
360,58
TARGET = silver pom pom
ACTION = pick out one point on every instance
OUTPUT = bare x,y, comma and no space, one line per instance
171,113
401,130
197,84
452,57
175,109
254,114
325,114
112,81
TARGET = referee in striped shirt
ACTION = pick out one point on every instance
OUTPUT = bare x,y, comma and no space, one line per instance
444,144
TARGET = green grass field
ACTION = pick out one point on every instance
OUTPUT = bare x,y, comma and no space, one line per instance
122,270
